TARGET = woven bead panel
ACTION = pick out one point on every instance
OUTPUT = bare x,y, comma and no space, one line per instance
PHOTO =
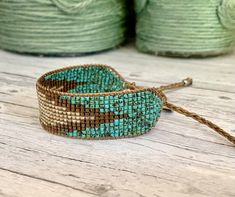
95,102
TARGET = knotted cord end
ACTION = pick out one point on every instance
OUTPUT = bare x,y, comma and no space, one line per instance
131,85
187,82
171,107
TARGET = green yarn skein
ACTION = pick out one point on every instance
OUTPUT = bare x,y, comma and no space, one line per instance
185,27
61,27
226,13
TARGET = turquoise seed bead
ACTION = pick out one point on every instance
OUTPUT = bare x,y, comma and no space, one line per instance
133,113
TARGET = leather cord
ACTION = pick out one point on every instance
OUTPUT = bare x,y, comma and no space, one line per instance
180,110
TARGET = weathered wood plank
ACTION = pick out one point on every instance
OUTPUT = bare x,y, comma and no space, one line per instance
145,165
212,73
177,158
28,185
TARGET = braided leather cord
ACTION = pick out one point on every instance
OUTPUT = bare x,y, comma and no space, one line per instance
180,110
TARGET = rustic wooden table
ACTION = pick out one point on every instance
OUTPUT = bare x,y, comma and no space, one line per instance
179,157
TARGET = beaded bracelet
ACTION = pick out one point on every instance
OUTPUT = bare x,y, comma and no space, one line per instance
95,102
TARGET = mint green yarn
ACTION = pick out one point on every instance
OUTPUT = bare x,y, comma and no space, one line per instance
185,27
226,13
60,26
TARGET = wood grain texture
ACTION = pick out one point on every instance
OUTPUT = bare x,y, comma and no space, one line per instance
179,157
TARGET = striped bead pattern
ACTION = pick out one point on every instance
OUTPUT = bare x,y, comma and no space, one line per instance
95,102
